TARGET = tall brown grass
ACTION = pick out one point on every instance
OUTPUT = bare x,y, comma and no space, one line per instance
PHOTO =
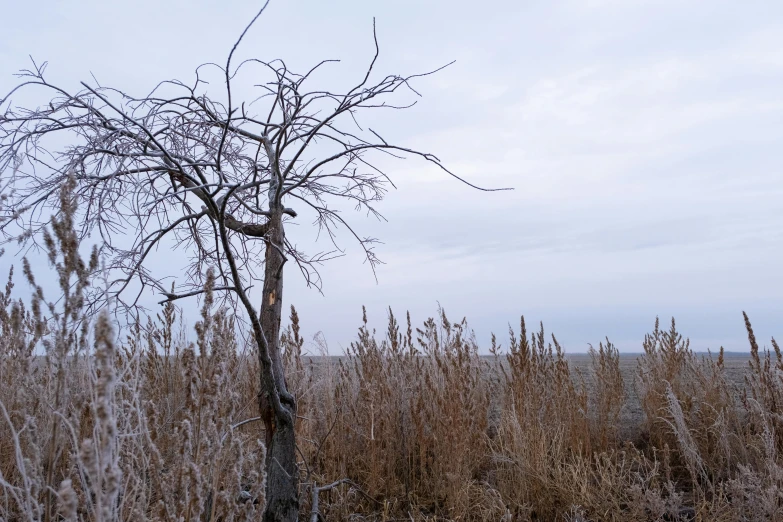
421,425
414,422
97,429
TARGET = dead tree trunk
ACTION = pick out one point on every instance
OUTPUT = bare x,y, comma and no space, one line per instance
282,479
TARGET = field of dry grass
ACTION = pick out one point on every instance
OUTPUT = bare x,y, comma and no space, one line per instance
735,367
414,422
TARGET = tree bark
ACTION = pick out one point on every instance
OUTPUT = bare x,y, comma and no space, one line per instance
282,472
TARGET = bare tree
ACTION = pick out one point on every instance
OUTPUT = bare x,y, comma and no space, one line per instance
180,168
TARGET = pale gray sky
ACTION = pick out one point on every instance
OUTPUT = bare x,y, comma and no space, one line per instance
644,140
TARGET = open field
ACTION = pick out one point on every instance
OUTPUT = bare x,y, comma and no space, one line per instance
415,425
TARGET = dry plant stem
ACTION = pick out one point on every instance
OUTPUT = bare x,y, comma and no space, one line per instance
316,491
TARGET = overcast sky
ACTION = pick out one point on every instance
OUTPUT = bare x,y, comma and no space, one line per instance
644,140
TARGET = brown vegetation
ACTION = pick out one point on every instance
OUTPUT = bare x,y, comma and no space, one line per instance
414,424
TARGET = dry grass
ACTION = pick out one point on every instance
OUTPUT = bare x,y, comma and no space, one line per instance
417,423
421,425
429,430
136,432
100,430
